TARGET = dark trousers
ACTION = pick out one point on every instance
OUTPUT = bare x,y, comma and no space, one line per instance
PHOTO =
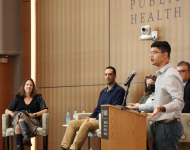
167,135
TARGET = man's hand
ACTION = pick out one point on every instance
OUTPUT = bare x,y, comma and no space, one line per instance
156,111
134,107
92,119
89,119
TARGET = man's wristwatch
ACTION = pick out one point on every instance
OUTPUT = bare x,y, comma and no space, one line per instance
35,115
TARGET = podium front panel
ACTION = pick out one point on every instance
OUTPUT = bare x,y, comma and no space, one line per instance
126,129
105,123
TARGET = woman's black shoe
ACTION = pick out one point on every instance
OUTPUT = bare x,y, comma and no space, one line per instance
25,132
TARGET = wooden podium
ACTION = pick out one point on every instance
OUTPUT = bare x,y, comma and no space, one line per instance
122,129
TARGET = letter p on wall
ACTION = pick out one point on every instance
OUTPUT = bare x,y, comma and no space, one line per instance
132,3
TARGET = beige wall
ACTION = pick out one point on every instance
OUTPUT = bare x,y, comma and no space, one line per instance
77,39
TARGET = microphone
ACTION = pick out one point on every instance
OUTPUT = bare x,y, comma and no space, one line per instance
130,78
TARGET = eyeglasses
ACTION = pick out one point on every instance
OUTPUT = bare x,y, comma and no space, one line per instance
149,76
182,71
154,52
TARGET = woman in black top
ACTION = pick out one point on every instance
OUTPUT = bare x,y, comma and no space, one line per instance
26,109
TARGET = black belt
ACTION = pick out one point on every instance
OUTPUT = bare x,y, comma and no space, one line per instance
166,121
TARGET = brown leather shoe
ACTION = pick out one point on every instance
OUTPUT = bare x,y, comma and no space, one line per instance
26,141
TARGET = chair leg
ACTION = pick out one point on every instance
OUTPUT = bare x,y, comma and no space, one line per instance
4,143
45,142
88,143
8,143
100,143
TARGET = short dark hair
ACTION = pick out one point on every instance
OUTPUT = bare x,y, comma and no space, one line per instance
184,63
110,67
163,46
21,91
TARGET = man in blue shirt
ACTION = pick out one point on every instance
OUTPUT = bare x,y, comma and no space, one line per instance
113,94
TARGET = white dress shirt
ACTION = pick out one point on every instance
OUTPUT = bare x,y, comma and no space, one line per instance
168,93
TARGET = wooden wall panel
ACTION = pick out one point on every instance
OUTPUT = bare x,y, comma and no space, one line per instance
26,42
72,42
127,52
26,39
72,51
6,88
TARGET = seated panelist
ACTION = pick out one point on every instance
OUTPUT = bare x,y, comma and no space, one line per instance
149,90
25,109
113,94
184,69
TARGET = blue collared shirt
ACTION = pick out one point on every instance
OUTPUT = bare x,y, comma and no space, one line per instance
113,97
168,93
184,84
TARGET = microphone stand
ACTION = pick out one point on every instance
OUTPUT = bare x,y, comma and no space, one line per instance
125,96
123,106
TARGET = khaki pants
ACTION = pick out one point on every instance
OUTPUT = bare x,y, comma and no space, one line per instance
75,143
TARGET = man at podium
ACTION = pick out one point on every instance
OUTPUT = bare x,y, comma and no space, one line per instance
113,94
168,101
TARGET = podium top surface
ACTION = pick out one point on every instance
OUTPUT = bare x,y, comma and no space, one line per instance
116,107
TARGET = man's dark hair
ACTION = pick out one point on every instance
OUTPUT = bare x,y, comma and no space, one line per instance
163,46
110,67
184,63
